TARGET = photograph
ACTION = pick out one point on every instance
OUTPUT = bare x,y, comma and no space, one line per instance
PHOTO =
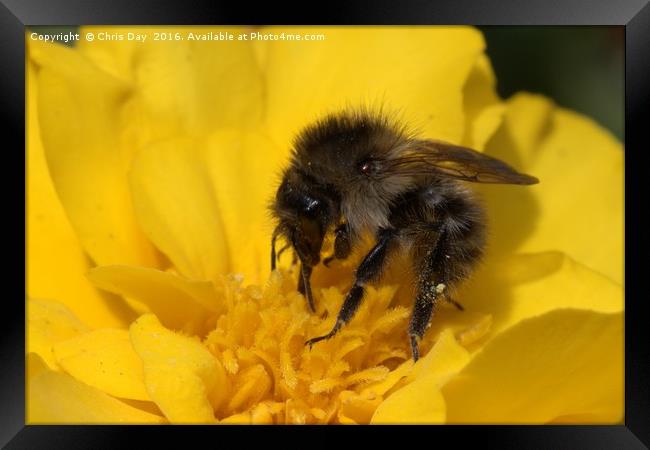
324,225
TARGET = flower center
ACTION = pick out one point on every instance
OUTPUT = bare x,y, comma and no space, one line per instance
260,341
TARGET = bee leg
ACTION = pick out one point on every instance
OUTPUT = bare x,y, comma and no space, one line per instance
276,257
282,250
273,256
455,303
422,312
433,271
304,286
301,282
342,246
369,270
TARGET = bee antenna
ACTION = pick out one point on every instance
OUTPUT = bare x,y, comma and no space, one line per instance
273,239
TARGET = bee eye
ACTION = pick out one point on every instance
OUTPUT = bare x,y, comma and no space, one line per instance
368,167
312,205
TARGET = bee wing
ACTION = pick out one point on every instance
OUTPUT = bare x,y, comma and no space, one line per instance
423,157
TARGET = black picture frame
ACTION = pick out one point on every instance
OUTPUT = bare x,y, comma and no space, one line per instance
633,15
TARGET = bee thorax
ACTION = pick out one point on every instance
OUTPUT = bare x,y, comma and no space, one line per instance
365,214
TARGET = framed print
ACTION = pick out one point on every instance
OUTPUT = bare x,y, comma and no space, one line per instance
393,220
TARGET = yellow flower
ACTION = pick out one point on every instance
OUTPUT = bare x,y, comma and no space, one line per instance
149,293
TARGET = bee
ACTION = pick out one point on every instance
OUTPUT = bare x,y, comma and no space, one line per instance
356,172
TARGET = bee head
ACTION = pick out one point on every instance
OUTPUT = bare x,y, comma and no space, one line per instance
303,215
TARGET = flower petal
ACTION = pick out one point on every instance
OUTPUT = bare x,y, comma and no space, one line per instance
563,363
50,322
244,170
79,110
569,153
529,285
419,72
483,108
446,358
177,208
183,86
355,409
181,375
580,157
179,303
526,124
104,359
55,260
113,56
380,388
35,365
204,202
419,402
57,398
